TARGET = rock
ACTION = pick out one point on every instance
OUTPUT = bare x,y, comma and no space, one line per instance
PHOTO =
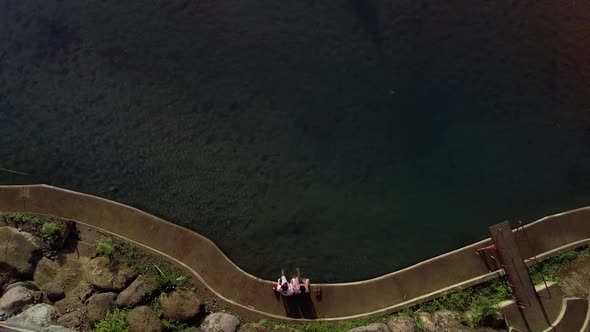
98,305
402,324
15,299
427,322
83,291
54,291
375,327
74,320
19,251
26,284
57,328
143,319
101,275
139,289
449,321
75,298
47,271
192,329
220,322
35,317
181,304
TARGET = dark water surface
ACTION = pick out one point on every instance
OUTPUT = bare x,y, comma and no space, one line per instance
349,137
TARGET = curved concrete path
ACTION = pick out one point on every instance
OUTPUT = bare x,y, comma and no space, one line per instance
252,297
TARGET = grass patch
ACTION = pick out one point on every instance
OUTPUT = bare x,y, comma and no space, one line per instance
51,231
114,321
105,246
167,275
549,267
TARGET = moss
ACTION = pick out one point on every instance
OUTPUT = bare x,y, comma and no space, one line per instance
114,321
51,231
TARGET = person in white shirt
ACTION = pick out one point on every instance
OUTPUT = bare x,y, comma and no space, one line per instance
284,287
298,284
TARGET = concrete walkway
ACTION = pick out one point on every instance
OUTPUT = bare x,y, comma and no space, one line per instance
252,297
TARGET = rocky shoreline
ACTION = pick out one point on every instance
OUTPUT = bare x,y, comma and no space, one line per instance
58,277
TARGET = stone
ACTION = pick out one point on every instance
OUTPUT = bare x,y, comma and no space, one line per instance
53,291
47,271
375,327
19,251
15,299
449,321
35,317
134,293
98,305
75,320
180,304
427,321
100,274
57,328
143,319
26,284
83,291
192,329
220,322
402,324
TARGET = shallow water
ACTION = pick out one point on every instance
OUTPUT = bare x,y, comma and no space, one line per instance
351,138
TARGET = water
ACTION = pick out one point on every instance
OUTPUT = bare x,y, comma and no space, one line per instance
350,138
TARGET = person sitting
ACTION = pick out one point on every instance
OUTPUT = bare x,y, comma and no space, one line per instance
283,287
298,284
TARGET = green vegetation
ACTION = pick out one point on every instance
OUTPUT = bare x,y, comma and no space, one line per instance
21,218
105,246
549,267
47,228
113,322
51,231
477,303
167,275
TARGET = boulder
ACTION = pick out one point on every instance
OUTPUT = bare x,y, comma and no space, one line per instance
75,320
98,305
15,299
143,319
402,324
75,298
35,317
26,284
375,327
47,271
53,291
192,329
139,289
100,274
449,321
57,328
180,304
427,321
220,322
19,251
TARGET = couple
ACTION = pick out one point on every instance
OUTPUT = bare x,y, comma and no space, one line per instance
297,285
